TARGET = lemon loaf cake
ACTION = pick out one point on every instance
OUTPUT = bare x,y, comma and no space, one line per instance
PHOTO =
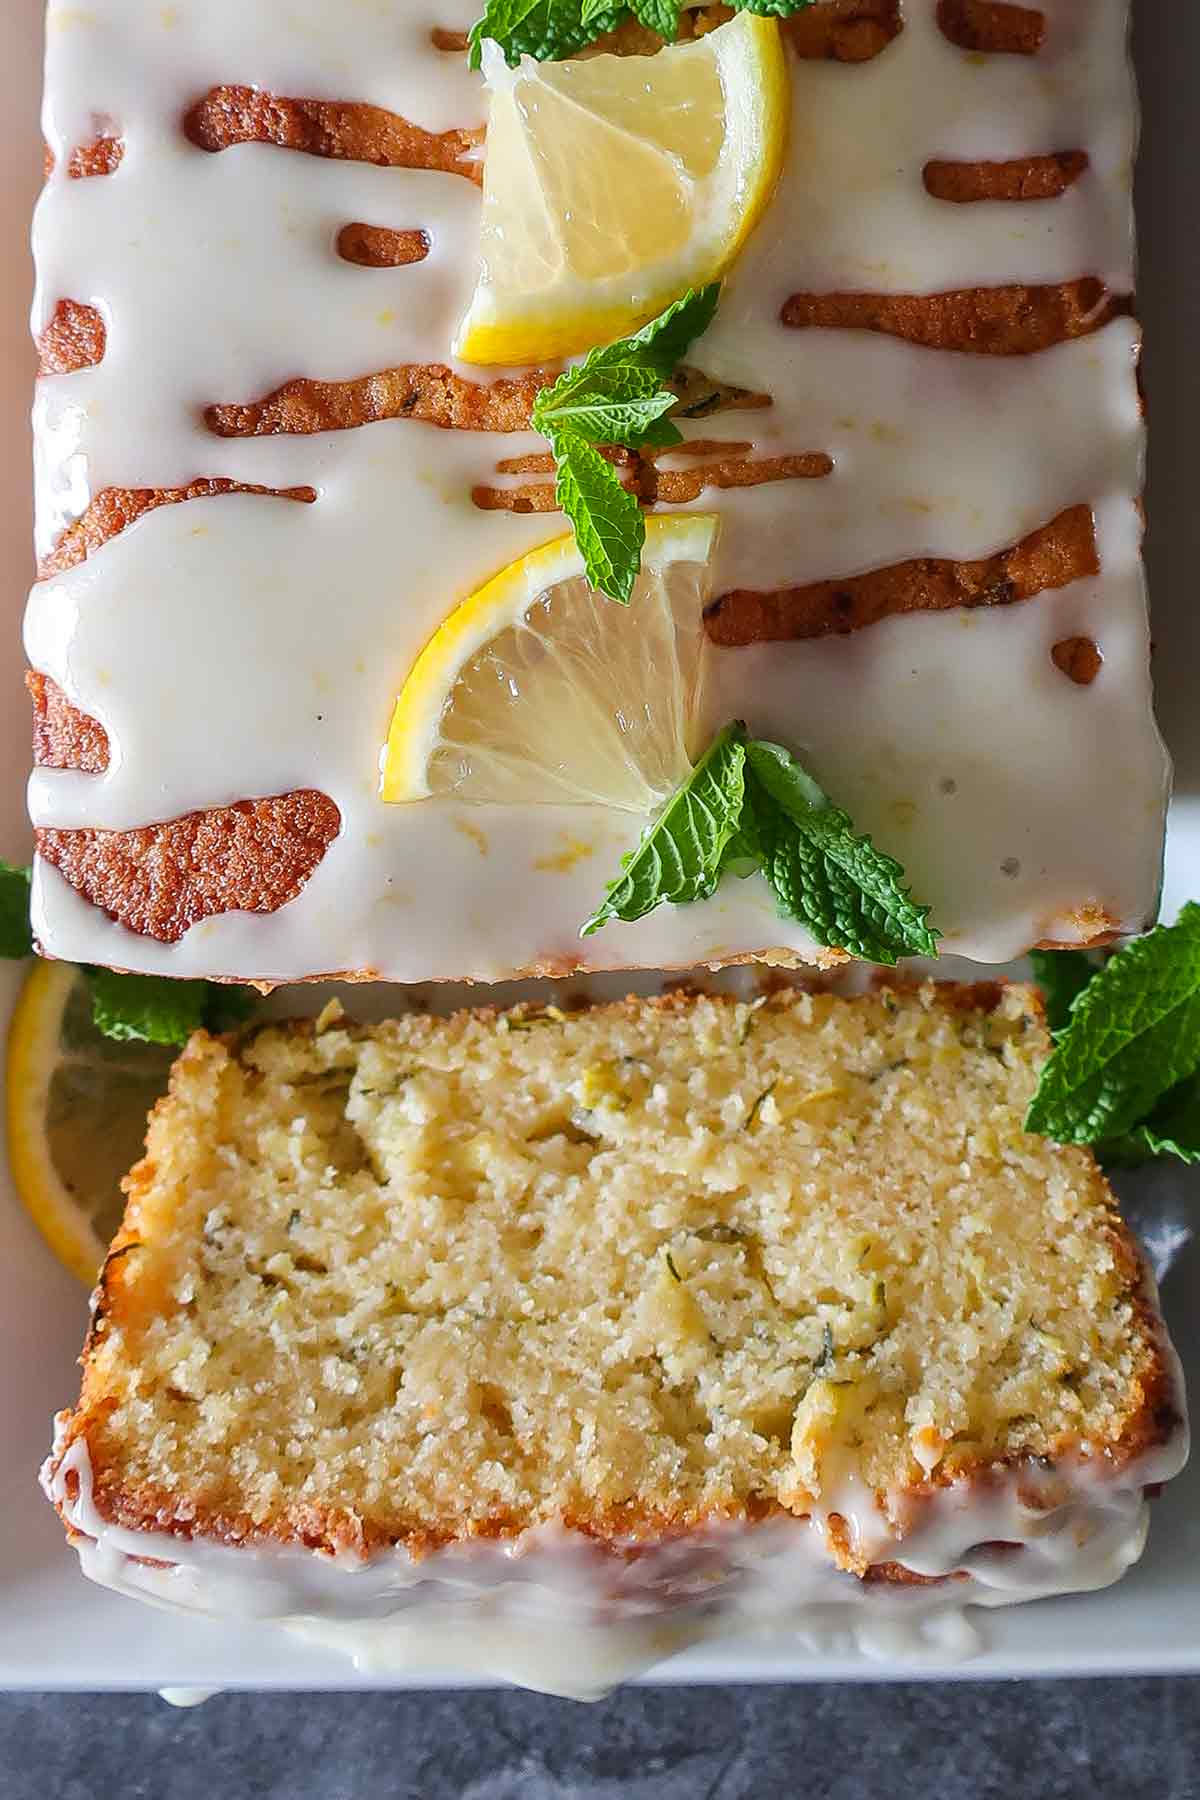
635,1320
283,443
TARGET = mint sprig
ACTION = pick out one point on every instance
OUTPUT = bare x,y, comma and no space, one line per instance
1132,1038
1173,1128
825,874
158,1009
680,855
658,15
550,30
616,397
748,804
150,1009
1062,975
610,528
16,939
547,30
146,1009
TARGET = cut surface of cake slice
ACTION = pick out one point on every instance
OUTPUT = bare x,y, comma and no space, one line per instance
638,1320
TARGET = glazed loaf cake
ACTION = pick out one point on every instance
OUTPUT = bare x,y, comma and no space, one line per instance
632,1321
263,485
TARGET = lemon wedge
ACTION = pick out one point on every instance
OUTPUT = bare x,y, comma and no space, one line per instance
614,183
538,689
77,1106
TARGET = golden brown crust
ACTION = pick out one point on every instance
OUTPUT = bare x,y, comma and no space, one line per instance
642,476
64,737
1057,553
380,247
435,395
993,26
1096,928
895,1574
1001,321
1025,178
74,339
100,157
431,393
1079,659
844,30
348,130
161,879
676,486
112,510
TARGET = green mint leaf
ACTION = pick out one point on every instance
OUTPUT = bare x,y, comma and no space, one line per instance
788,783
662,344
1134,1034
502,20
156,1009
658,15
615,397
824,874
662,434
591,383
607,520
151,1009
1062,976
680,856
771,9
1173,1128
740,856
600,418
16,939
547,30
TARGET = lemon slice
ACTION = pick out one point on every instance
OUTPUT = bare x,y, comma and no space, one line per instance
77,1105
538,689
614,183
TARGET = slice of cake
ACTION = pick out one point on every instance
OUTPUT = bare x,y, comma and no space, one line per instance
602,1330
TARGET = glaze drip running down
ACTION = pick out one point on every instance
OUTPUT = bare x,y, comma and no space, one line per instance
552,1611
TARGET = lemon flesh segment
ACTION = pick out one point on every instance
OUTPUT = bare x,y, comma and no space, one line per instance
539,690
77,1105
614,183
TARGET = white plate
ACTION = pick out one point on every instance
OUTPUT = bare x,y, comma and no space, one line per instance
56,1629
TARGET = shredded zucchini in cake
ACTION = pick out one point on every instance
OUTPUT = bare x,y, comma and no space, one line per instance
645,1262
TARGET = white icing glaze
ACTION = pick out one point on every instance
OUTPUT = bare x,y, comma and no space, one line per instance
244,646
552,1610
186,1696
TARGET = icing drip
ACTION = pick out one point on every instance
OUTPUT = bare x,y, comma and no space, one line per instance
554,1611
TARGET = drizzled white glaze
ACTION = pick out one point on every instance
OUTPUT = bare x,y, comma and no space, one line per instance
244,646
552,1610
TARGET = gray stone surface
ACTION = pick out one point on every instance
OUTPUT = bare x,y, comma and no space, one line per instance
1139,1740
